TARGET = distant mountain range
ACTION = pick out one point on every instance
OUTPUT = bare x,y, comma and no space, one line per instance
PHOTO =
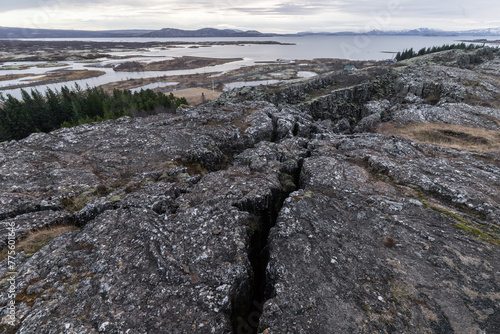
206,32
416,32
19,33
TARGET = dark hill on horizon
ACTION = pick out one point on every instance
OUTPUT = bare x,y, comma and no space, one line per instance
20,33
207,32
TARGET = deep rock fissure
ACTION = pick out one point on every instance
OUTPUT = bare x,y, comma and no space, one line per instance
28,209
84,216
248,307
274,134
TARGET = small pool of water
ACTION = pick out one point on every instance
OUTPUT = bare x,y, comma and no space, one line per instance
306,74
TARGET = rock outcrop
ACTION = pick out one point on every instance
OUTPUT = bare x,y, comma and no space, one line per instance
282,210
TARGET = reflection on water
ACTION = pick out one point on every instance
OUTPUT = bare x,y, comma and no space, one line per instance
306,74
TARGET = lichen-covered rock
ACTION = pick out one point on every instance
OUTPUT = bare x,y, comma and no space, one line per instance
434,80
358,250
449,113
262,212
27,222
133,261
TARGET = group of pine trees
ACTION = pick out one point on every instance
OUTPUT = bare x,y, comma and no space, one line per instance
69,107
410,53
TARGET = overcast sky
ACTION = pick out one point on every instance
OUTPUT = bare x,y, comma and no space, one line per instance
265,16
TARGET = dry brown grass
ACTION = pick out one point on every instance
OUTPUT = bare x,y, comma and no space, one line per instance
194,97
68,75
15,76
58,76
177,63
36,240
193,167
446,135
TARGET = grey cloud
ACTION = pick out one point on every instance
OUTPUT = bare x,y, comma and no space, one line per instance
287,8
16,5
8,5
422,8
320,13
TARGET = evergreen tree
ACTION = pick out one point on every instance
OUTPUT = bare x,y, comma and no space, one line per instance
36,112
407,54
17,123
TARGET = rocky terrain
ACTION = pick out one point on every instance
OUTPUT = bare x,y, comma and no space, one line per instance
290,209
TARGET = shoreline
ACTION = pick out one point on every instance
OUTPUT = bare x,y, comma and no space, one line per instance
20,50
482,40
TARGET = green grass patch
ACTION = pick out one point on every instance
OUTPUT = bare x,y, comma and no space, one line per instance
479,234
467,226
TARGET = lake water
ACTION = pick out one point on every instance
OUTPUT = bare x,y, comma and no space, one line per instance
307,47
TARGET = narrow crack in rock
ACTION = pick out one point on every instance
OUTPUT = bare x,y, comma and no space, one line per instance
28,209
246,311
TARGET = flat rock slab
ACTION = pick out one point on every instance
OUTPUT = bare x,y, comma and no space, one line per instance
353,252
